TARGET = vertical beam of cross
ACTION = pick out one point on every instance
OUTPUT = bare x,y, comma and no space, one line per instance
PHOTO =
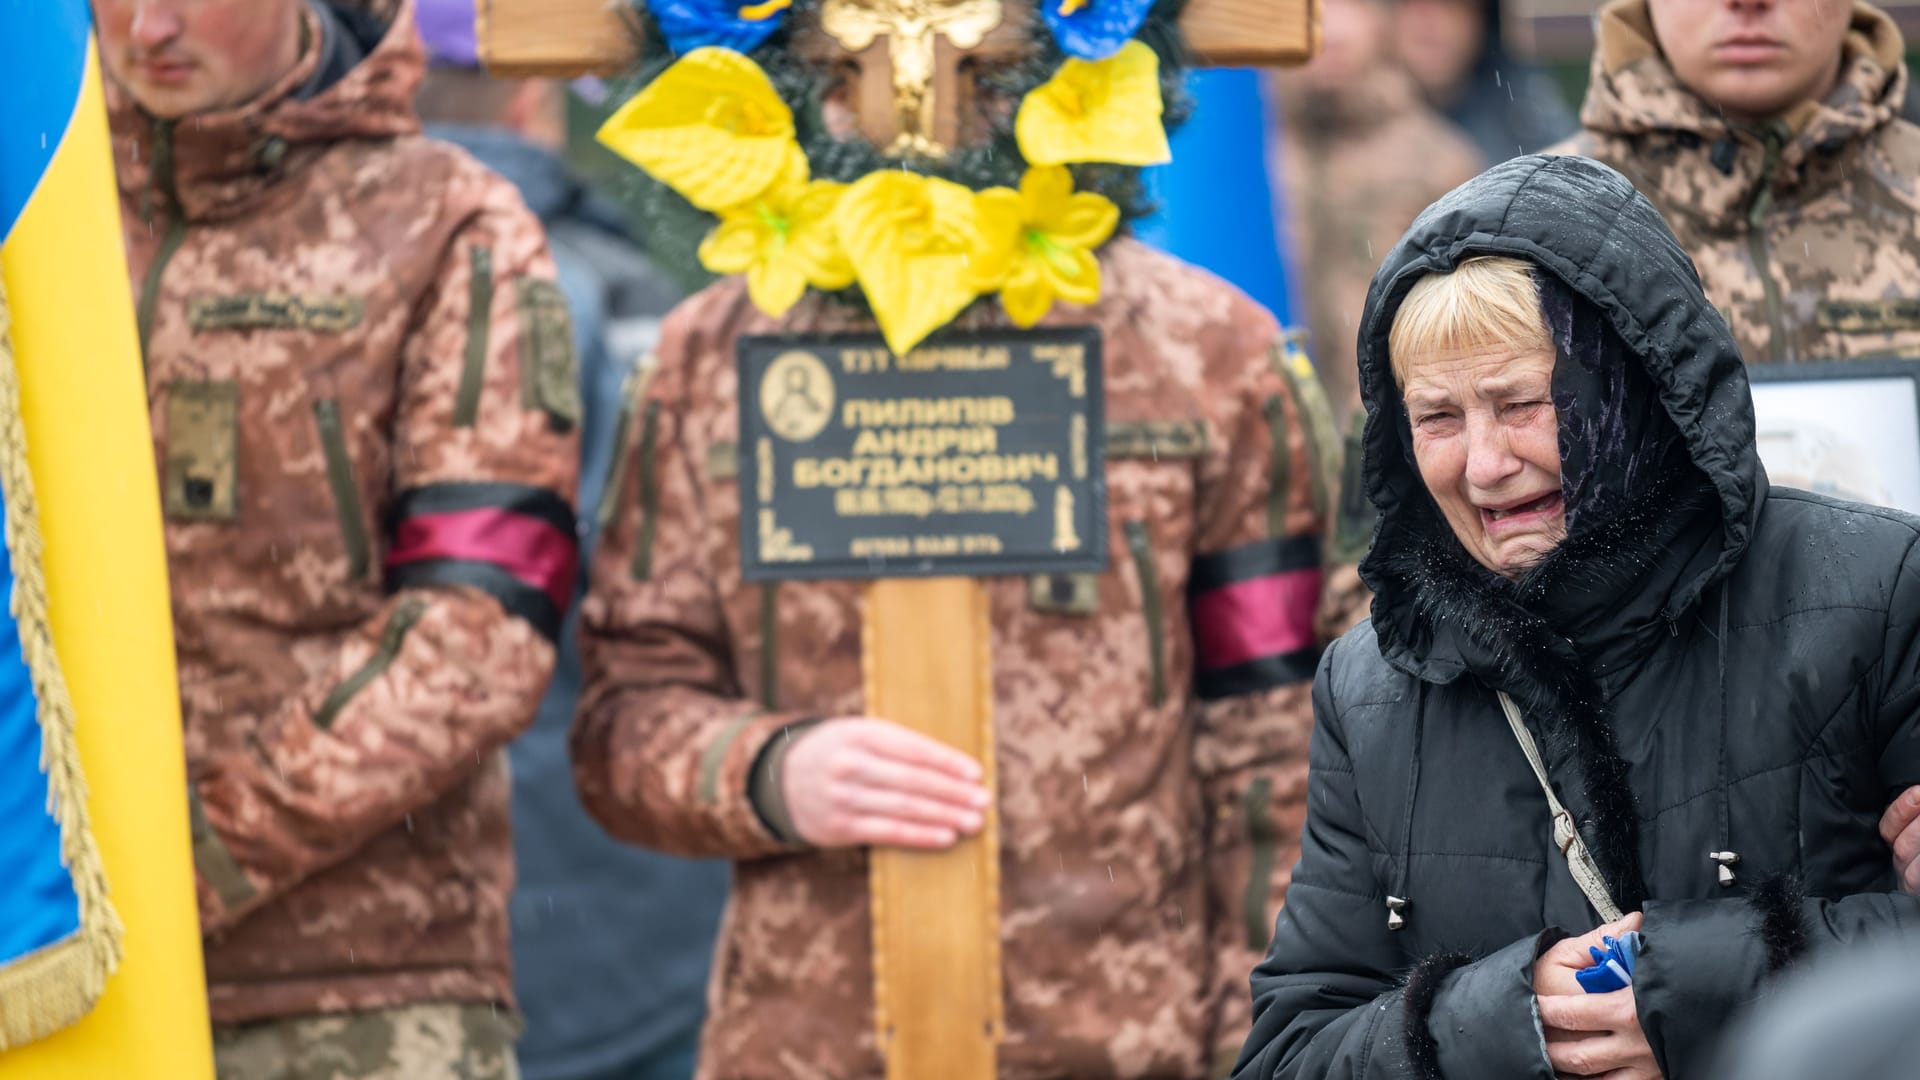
928,662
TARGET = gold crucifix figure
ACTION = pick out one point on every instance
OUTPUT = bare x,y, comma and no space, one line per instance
912,29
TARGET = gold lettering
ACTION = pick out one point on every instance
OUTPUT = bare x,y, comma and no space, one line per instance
913,470
864,361
925,442
928,412
1069,362
1066,537
936,545
839,472
880,547
777,543
971,358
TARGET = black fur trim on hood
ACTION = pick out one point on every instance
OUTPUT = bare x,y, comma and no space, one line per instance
1423,982
1780,901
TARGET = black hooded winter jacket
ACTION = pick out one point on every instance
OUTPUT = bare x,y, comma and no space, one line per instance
1749,683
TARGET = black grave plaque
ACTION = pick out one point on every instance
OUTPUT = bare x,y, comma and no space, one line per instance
978,453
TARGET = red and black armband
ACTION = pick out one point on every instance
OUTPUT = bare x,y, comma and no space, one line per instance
1252,610
515,543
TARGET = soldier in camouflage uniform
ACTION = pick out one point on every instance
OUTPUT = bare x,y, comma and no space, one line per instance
363,402
1767,134
1151,740
1360,154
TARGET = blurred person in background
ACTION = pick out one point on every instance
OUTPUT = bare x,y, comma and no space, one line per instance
1767,133
1359,155
362,387
1454,50
1847,1018
611,943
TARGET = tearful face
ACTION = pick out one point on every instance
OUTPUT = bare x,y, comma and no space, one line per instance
1486,440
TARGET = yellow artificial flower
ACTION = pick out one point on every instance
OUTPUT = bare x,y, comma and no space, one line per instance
1101,110
711,127
784,241
909,237
1037,243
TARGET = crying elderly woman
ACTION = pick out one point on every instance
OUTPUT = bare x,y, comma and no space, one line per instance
1612,682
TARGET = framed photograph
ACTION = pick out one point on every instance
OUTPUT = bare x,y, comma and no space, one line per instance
1850,429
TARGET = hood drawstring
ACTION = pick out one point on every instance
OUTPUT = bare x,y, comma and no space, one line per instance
1397,901
1724,857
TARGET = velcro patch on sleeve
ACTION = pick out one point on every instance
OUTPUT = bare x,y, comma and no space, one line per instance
549,369
516,543
1252,609
201,478
723,461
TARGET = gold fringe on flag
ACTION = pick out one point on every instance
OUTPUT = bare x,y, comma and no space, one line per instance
52,987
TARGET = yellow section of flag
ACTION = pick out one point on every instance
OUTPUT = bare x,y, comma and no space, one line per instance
83,401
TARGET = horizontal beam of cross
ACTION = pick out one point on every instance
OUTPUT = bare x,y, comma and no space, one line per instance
570,38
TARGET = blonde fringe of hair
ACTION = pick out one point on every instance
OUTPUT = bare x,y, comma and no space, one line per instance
1489,301
52,987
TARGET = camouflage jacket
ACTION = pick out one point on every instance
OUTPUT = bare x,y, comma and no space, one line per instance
1354,167
1151,783
1806,230
362,401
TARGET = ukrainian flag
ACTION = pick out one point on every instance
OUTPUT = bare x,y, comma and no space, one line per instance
100,970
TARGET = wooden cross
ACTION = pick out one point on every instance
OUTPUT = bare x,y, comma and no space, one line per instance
910,89
570,38
927,643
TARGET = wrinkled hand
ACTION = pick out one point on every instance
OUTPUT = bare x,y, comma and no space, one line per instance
1597,1035
1594,1035
858,781
1900,828
1553,973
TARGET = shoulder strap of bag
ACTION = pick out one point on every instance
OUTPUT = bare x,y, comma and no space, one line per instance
1586,873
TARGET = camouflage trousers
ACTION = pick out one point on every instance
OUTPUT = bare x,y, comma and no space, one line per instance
438,1041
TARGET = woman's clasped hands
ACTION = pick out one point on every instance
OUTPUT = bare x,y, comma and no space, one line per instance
1590,1035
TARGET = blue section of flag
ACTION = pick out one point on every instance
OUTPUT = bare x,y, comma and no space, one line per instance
38,906
1216,203
43,53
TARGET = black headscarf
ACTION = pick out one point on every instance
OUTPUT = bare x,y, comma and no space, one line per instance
1617,445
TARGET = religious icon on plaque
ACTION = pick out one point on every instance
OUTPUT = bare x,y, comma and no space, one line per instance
796,396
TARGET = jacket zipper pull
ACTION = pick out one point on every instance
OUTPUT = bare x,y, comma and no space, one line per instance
1725,860
1396,905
